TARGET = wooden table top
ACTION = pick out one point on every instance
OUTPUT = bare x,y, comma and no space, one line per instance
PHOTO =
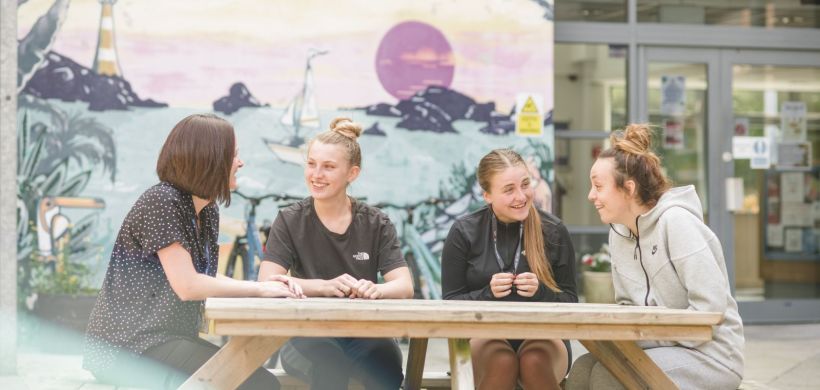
430,311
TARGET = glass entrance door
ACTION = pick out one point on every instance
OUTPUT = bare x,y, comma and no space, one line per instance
700,100
679,96
776,95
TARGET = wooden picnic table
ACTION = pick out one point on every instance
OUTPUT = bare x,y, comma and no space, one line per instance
259,326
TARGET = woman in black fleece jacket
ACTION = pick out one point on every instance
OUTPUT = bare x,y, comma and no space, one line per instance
482,260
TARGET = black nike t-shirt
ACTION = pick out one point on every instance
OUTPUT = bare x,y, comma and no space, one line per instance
299,242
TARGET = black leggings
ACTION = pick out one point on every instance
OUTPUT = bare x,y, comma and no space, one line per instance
168,365
328,363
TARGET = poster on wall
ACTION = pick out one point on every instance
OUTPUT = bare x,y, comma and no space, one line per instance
794,155
774,235
792,187
673,134
793,241
741,126
434,83
793,121
673,95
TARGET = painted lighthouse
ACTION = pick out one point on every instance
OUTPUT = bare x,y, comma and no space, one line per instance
105,61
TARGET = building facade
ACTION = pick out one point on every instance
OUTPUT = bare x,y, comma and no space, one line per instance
707,75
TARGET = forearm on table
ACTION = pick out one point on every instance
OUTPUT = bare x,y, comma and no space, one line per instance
396,289
398,284
200,287
313,287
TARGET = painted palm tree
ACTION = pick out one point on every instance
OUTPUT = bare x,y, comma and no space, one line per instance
55,162
81,140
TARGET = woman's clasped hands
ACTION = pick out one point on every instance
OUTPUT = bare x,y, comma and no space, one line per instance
524,284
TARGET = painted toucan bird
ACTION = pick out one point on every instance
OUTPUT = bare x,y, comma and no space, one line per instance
53,227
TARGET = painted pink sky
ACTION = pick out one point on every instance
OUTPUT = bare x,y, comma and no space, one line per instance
194,70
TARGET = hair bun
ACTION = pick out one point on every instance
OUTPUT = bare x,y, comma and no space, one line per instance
635,139
346,127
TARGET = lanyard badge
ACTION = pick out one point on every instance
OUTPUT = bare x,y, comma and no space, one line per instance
517,256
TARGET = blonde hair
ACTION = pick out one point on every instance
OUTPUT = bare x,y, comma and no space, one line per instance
634,160
491,165
343,131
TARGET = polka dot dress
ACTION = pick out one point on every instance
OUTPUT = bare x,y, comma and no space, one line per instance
136,308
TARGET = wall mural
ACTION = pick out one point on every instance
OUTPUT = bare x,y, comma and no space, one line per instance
434,82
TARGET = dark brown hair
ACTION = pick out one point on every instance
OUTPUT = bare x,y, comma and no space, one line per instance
197,157
491,165
343,131
634,160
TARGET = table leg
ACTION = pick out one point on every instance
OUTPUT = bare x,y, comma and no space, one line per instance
415,364
629,364
461,364
234,362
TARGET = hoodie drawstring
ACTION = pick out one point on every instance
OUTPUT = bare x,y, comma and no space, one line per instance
637,254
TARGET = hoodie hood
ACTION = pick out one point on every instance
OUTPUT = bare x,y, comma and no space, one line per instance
684,197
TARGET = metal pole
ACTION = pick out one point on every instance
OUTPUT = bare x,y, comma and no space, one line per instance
8,188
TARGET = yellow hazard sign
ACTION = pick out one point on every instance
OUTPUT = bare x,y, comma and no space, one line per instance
529,119
529,106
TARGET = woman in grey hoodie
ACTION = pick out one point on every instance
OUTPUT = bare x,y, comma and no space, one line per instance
663,254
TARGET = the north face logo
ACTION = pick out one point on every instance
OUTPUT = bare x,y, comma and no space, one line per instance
361,256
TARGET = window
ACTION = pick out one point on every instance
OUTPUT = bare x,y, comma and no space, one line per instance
765,13
590,101
590,11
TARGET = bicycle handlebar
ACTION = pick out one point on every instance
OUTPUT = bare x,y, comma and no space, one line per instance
433,201
255,200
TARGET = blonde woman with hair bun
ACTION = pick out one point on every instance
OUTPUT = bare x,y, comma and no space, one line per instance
663,254
335,246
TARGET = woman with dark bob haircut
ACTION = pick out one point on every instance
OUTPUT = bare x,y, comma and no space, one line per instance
143,328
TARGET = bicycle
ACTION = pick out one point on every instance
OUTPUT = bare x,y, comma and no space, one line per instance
424,266
246,244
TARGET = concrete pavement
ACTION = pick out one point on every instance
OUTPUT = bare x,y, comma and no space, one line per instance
777,357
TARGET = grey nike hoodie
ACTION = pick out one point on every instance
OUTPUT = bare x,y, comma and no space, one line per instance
677,261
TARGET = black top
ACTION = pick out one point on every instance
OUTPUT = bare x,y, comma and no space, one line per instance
299,242
136,308
468,259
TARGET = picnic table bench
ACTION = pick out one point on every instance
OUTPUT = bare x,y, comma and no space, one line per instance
259,326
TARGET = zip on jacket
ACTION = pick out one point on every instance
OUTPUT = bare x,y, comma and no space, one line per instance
637,254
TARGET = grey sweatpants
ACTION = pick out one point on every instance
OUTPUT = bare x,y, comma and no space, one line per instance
688,368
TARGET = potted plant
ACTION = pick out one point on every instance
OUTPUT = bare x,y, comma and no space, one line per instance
61,297
597,276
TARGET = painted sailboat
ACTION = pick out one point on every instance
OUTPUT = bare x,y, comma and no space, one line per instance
301,115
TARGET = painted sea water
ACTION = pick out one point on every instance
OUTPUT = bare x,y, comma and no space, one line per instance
401,167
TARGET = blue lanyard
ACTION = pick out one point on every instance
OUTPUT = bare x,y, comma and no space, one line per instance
517,255
205,245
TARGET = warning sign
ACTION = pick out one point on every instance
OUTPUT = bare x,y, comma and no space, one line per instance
529,121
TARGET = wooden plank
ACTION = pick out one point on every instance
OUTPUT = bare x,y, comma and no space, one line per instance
415,364
234,362
461,364
433,380
328,309
629,364
364,328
